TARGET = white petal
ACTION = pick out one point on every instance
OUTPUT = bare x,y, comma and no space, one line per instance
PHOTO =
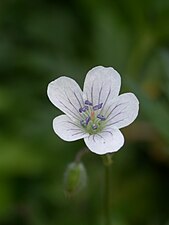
66,95
66,129
122,111
102,84
105,142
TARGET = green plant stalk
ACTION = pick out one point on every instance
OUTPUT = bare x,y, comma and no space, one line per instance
108,188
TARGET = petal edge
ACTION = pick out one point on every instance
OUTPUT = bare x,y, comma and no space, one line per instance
101,85
66,95
66,129
122,111
105,142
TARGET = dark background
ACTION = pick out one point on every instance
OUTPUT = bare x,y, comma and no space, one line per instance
42,40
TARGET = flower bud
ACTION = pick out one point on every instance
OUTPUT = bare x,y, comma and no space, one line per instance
75,178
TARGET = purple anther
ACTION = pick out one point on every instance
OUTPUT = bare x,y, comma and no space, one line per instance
80,110
87,102
94,126
83,109
101,117
83,123
96,107
87,120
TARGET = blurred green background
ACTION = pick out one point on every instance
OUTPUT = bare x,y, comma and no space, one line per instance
42,40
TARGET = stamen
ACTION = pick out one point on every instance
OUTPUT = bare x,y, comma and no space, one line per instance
83,109
94,126
87,102
101,117
87,120
83,123
96,107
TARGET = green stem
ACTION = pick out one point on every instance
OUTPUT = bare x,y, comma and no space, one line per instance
108,188
81,154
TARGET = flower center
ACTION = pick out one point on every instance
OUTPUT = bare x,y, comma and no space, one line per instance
93,122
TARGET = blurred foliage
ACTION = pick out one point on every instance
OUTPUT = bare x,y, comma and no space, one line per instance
41,40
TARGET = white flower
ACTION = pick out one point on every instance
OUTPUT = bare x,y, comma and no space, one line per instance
97,113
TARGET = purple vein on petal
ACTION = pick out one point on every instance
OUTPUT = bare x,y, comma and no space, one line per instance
100,136
78,99
86,95
73,114
105,100
73,124
93,137
115,122
73,129
107,131
114,116
92,92
107,109
78,133
100,94
122,111
72,104
115,108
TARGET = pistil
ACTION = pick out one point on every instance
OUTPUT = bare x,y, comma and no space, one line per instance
92,115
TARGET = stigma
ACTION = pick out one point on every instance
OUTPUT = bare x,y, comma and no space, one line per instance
92,115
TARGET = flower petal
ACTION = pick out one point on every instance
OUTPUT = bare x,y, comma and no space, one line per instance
101,85
105,142
66,129
66,95
122,111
